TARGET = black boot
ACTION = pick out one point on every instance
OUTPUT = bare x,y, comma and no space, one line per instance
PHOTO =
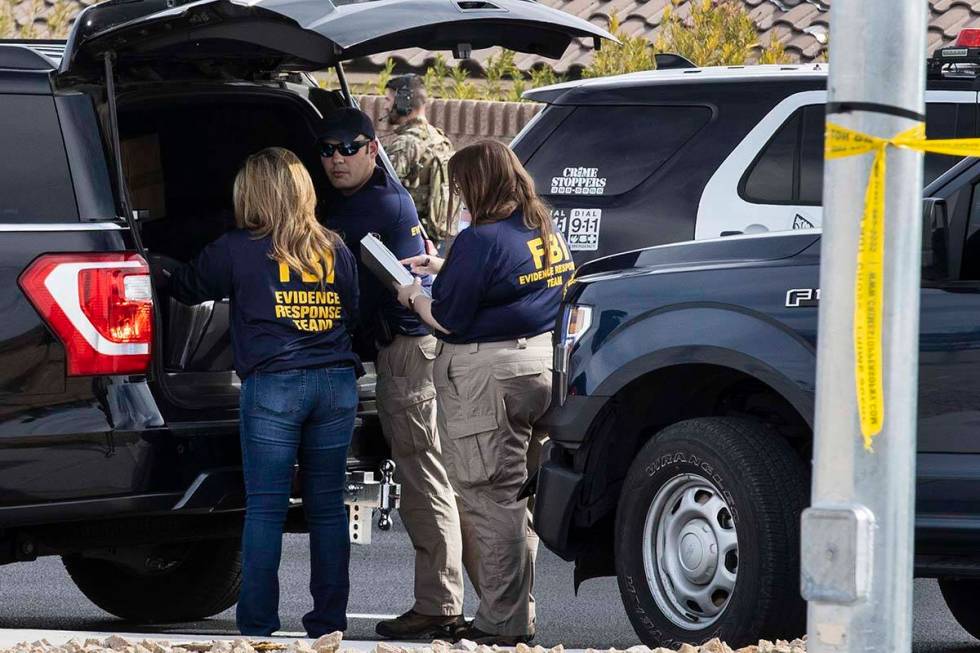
413,625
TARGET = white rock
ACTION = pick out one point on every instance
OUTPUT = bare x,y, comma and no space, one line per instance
115,642
557,649
465,645
328,643
74,646
715,646
440,646
639,649
524,648
385,647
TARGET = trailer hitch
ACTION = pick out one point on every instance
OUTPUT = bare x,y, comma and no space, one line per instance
364,494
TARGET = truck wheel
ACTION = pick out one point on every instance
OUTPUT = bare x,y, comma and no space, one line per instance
707,535
961,599
184,582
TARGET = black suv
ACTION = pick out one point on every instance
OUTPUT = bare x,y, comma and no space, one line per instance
682,421
118,405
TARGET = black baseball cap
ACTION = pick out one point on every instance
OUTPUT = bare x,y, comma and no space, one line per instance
345,125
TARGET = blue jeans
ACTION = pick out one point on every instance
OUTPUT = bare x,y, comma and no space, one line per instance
306,414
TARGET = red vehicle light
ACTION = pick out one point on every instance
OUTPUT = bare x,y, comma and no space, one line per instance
969,38
100,306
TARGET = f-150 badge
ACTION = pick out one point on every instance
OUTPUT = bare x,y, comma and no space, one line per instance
802,297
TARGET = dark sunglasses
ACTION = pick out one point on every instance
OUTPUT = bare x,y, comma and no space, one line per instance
345,149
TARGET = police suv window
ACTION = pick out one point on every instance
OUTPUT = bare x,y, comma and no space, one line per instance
35,184
789,170
970,266
771,179
610,150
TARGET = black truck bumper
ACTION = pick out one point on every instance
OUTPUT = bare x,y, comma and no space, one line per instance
559,483
569,424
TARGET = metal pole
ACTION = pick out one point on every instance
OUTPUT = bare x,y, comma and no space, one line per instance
857,538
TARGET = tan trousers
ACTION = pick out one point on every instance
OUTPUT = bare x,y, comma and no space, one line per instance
489,397
406,405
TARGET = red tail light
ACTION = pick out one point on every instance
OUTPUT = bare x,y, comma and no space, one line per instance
968,38
100,306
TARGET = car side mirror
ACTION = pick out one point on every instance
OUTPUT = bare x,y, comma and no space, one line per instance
935,239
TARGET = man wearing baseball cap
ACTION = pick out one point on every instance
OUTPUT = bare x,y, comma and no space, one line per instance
371,201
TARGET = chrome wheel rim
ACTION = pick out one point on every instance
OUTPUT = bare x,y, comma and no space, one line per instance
690,551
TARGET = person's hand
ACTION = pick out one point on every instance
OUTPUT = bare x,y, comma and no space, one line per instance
424,264
430,248
408,291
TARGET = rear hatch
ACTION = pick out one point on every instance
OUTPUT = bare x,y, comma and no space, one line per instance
262,36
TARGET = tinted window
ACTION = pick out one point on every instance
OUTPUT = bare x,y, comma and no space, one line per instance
941,122
790,168
811,156
35,185
606,150
771,178
970,267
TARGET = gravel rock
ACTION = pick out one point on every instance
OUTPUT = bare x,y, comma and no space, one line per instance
331,644
715,646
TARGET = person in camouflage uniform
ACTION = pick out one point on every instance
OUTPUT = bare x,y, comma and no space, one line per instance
419,152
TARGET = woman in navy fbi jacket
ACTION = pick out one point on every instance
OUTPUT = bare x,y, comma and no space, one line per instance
293,290
493,306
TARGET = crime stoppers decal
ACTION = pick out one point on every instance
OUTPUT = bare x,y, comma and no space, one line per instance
578,181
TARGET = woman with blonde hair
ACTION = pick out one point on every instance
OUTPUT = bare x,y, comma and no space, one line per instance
493,306
293,290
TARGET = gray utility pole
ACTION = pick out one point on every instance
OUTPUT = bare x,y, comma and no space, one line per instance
857,537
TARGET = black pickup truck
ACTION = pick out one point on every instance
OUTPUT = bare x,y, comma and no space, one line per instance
682,424
118,405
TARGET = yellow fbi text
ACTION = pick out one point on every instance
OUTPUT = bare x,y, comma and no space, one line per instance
561,262
284,271
309,310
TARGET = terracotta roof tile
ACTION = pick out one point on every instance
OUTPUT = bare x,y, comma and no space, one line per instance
794,22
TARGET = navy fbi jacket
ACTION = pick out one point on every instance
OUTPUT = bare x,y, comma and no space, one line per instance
280,320
383,207
495,284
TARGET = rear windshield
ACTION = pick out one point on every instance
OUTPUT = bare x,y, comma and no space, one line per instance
610,150
35,184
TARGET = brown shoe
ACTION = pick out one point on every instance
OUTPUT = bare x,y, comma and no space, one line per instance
474,634
413,625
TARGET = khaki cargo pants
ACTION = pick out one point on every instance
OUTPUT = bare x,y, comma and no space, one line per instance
489,397
406,406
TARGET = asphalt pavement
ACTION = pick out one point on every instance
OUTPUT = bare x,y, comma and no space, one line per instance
40,595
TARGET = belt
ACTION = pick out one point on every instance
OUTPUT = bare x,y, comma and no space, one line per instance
542,340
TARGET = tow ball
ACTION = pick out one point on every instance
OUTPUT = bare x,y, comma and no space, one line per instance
364,494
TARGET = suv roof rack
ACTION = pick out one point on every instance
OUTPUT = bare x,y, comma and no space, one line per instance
28,55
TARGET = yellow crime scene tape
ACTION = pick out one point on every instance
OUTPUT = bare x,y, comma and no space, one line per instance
842,142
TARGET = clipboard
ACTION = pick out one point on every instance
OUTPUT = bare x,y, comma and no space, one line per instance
383,263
